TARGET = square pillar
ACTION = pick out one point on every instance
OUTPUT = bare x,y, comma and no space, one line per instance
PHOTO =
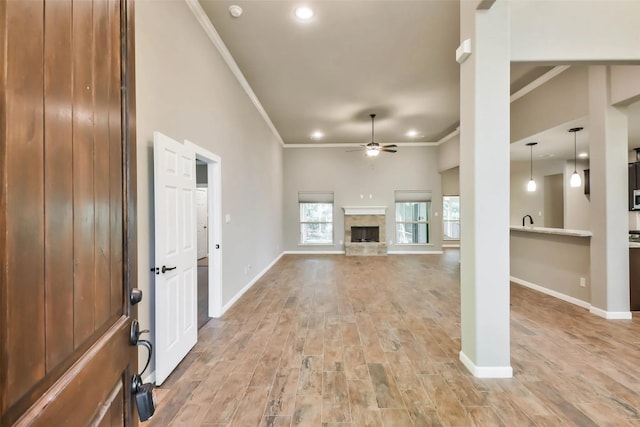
484,191
608,146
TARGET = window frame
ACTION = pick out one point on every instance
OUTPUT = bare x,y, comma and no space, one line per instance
301,223
427,222
445,238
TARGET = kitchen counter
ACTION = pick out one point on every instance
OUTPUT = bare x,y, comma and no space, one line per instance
556,231
634,245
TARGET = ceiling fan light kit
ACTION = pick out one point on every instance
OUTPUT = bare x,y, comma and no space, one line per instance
372,149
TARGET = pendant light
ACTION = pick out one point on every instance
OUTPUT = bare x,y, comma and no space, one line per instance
531,185
575,180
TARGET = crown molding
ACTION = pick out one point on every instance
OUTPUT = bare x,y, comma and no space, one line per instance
215,38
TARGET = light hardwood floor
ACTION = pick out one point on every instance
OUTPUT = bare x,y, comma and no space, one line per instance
374,341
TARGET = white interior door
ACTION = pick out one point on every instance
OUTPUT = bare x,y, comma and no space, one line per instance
202,219
176,308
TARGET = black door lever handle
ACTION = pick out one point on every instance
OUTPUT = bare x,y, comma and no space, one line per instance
165,268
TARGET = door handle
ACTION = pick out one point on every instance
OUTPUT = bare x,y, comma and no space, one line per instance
165,268
217,246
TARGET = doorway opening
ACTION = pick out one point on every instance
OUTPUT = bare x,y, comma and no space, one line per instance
208,202
202,242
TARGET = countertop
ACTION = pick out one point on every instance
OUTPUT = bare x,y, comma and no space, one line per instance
556,231
634,245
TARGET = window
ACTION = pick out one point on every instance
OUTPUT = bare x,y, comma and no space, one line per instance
316,218
412,217
451,217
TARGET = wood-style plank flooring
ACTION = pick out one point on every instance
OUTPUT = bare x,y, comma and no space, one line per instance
374,341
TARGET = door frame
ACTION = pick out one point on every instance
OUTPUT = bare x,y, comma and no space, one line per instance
214,224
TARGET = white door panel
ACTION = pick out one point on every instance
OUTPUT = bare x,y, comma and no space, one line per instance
175,237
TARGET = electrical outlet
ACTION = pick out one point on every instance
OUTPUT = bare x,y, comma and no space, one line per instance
583,282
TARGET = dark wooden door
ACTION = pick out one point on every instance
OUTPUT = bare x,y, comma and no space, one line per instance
67,241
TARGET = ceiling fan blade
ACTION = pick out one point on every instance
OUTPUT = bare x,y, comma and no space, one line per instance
389,150
390,146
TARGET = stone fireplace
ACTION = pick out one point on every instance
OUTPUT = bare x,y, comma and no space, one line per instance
365,230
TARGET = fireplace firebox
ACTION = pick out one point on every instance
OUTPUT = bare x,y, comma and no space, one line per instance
365,234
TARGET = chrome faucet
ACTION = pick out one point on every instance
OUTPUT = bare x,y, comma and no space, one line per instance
530,219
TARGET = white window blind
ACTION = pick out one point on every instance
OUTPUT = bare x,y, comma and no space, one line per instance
413,196
315,197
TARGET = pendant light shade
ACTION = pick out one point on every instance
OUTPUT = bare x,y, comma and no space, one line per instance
575,180
531,185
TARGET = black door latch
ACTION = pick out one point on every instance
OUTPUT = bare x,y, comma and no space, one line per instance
164,269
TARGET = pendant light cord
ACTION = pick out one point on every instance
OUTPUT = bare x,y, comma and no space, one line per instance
531,162
575,154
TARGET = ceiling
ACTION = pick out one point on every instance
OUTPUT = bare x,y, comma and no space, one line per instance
353,58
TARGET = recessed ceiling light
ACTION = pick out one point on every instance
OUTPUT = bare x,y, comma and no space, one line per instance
304,13
583,155
317,135
412,133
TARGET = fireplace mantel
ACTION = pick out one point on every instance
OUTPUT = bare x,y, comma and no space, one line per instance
364,210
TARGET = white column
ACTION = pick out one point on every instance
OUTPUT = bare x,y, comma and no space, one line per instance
608,139
484,190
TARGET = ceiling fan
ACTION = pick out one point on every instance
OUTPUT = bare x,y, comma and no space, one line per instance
372,149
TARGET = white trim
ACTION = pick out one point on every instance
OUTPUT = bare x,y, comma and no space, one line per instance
451,245
486,371
364,210
611,315
356,145
449,136
556,294
215,38
415,252
214,202
248,286
313,252
539,82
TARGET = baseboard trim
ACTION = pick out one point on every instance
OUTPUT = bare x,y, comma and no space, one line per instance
415,252
248,286
486,371
611,315
313,253
556,294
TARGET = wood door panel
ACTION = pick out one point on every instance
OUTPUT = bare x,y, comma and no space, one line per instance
58,183
24,202
83,182
67,402
67,204
115,154
101,165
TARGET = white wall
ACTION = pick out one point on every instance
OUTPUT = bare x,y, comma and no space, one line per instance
350,175
449,154
552,30
186,91
451,182
523,202
577,211
560,100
